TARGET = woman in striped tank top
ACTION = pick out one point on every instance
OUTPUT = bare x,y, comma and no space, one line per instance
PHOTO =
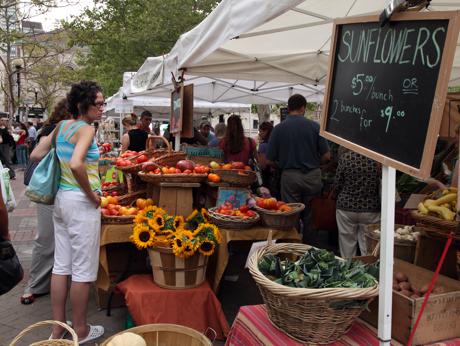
76,215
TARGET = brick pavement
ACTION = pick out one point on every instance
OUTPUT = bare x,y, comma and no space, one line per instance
14,316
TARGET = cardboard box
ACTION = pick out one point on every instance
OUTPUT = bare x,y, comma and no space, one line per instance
441,318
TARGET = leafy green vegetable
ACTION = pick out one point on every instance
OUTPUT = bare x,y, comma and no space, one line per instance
319,268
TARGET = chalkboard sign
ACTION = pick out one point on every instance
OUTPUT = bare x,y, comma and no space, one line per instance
387,86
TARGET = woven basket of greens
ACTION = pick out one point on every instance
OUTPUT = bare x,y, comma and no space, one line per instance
309,293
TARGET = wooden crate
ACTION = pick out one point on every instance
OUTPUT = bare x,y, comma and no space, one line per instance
441,318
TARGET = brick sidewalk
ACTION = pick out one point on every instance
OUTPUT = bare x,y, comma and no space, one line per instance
14,316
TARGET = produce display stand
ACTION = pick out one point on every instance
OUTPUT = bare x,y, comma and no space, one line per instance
176,198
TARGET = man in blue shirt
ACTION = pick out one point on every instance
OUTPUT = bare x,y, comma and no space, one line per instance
297,148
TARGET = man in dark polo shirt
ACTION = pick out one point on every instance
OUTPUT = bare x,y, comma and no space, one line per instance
297,148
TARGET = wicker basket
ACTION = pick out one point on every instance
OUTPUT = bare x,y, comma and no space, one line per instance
52,342
236,177
165,157
172,178
166,334
307,314
403,249
117,220
131,197
125,200
232,222
282,221
170,271
441,225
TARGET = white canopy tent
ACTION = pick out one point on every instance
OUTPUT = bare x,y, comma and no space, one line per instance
260,41
160,107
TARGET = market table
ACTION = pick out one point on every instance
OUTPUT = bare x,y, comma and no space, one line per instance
254,233
197,308
252,327
110,234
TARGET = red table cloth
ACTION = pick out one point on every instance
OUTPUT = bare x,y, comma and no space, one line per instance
197,308
252,327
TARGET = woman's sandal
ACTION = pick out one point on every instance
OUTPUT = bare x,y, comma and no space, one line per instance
94,333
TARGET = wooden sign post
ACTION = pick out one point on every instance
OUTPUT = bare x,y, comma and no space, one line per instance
384,99
181,121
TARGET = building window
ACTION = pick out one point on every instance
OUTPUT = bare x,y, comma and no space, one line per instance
255,124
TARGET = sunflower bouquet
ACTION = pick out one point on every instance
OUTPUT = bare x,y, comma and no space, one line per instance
153,227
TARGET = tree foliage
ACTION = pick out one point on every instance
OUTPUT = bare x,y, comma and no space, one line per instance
27,49
121,34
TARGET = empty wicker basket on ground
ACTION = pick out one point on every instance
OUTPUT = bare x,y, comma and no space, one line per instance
281,220
403,249
170,271
52,342
308,314
166,334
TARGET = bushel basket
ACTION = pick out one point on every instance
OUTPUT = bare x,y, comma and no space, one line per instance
281,220
170,271
308,314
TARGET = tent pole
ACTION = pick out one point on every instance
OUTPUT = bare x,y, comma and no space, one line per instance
386,254
177,141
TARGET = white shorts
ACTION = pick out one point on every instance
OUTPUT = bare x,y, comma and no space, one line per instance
77,226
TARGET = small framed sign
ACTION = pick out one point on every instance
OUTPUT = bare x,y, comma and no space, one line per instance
177,107
234,196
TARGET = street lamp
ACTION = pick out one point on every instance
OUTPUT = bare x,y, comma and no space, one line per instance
18,79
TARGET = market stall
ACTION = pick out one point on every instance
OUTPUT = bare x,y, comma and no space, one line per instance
250,56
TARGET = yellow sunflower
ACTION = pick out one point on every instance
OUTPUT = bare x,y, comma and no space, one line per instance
158,222
161,241
205,215
140,218
142,237
192,215
178,246
188,250
207,248
179,222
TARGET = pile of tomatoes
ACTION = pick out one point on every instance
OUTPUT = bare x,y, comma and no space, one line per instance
151,168
243,211
126,159
272,204
110,207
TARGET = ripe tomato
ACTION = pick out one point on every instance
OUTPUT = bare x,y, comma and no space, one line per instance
178,171
244,209
251,213
214,178
114,193
142,159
